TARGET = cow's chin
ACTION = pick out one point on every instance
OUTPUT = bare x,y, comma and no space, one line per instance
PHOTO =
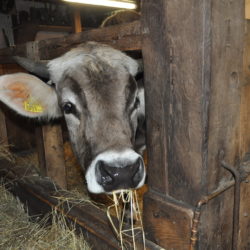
127,163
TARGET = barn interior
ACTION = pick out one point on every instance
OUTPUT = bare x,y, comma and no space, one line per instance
197,195
27,21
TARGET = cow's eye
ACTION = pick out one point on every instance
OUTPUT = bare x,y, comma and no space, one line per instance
68,108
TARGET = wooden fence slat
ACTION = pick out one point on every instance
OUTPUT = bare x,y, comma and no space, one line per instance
53,154
3,129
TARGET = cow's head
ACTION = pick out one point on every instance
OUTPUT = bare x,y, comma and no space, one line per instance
93,87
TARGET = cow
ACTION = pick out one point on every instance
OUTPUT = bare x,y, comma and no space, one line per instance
93,87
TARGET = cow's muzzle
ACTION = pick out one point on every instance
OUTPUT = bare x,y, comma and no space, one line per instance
112,171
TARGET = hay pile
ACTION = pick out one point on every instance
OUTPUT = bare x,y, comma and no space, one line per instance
18,231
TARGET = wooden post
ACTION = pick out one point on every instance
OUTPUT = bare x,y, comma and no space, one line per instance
3,129
192,63
244,239
49,140
53,154
77,21
247,9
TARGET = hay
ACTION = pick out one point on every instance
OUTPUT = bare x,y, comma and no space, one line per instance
74,198
126,233
18,231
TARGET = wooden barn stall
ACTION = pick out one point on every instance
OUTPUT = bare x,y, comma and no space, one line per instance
198,125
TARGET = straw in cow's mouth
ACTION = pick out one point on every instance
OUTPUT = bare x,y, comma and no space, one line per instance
126,232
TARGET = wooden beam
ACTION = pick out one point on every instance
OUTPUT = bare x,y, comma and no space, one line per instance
124,37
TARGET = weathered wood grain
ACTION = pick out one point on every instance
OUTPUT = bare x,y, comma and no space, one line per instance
53,154
227,29
156,56
192,80
244,239
176,100
168,222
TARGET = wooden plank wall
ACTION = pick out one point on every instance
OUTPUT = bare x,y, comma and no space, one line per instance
193,62
244,241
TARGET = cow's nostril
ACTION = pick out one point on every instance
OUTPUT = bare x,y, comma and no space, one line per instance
106,180
106,175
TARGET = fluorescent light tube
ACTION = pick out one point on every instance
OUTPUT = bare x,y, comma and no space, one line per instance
108,3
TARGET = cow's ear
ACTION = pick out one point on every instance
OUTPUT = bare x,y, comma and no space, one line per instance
29,96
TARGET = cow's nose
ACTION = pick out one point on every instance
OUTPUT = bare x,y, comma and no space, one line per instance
119,175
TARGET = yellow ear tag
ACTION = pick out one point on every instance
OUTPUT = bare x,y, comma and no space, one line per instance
32,106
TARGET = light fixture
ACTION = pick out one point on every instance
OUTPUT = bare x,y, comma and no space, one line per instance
108,3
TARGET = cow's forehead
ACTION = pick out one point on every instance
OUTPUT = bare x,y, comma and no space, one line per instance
95,78
86,56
